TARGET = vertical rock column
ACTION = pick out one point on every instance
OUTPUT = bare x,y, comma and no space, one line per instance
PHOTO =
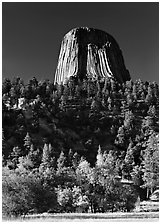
68,59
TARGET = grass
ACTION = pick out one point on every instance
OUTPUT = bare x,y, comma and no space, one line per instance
149,211
117,216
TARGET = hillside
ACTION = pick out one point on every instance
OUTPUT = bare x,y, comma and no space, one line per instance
96,122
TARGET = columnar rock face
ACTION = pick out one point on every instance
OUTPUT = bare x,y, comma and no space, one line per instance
90,53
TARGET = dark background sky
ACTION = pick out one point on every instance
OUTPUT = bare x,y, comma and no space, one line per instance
32,34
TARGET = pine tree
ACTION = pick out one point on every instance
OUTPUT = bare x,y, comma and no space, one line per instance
46,155
16,153
149,96
75,160
6,86
129,99
95,105
152,111
128,121
129,158
150,163
110,162
120,138
34,155
156,89
129,84
129,161
134,92
52,156
148,125
27,141
136,175
61,162
70,157
99,161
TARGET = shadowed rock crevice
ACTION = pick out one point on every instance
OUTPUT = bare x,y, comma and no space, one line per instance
90,53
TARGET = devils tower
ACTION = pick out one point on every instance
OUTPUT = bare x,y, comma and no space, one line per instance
90,53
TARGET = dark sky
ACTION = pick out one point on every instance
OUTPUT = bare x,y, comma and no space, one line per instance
32,34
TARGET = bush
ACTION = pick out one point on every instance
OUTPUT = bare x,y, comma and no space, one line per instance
72,199
120,198
17,196
23,193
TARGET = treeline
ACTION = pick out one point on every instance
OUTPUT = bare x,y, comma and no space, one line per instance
72,141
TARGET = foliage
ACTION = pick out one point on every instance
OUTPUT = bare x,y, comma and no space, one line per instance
77,139
23,192
151,163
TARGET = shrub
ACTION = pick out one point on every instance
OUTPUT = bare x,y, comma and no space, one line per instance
120,197
25,192
17,195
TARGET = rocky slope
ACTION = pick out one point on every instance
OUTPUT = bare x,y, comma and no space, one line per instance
90,53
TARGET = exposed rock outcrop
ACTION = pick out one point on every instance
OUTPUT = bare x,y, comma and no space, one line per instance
90,53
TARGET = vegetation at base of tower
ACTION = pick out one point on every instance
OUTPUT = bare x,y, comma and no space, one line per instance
65,145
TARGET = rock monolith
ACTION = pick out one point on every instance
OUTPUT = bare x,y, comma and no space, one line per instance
90,53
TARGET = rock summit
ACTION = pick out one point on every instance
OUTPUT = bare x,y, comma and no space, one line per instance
90,53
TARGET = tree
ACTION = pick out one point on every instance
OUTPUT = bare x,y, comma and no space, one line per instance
134,92
119,197
148,124
155,89
48,160
111,196
15,90
128,162
16,153
75,160
128,122
129,99
27,141
46,154
70,157
35,156
120,138
24,164
83,171
17,197
72,199
136,175
152,111
150,96
24,192
150,164
129,84
6,86
95,105
99,161
61,162
65,200
87,178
